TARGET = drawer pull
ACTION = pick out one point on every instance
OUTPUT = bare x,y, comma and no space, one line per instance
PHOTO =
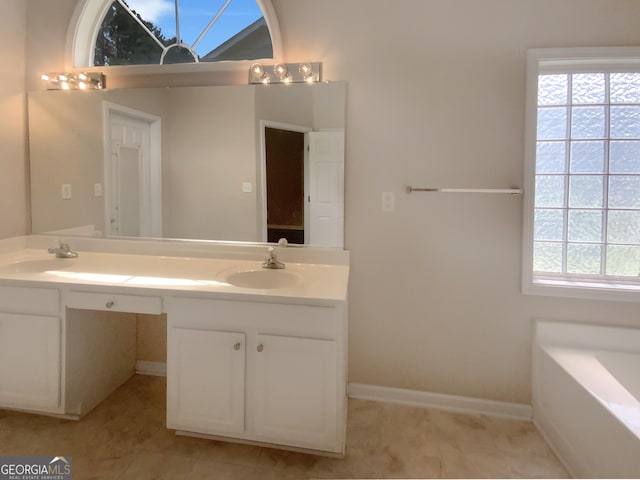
260,347
110,304
236,346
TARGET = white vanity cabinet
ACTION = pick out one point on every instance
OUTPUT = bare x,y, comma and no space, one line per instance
295,391
206,378
260,372
253,356
30,348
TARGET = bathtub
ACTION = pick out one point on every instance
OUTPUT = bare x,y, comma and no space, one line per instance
586,397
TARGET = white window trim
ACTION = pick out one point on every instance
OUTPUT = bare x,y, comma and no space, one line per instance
572,60
86,22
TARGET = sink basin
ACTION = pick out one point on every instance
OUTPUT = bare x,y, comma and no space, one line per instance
36,265
262,279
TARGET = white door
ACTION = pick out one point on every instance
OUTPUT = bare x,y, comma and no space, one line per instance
127,208
205,381
324,219
132,177
295,393
29,361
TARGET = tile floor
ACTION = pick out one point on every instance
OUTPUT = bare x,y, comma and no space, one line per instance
125,438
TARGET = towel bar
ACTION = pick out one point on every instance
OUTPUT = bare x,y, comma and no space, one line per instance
512,191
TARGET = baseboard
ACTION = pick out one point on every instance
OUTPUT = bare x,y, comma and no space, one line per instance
452,403
157,369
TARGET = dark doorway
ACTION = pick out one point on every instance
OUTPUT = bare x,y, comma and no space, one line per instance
285,185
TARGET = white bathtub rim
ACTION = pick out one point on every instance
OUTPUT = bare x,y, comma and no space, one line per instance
587,335
615,400
582,454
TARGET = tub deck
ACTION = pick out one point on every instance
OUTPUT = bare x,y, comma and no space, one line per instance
586,397
601,373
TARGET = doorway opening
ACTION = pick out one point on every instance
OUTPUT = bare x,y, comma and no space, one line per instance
285,185
302,181
283,182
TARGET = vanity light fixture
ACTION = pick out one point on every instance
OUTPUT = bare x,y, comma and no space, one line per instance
309,72
75,81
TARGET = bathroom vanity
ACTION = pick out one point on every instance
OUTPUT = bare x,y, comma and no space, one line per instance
253,355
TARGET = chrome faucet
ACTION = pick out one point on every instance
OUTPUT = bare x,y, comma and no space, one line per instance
272,261
63,251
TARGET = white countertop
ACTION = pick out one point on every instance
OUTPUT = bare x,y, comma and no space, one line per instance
176,266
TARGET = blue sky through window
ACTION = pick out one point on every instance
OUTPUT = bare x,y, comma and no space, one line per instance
195,15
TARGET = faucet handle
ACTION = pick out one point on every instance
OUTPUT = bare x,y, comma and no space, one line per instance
271,261
63,251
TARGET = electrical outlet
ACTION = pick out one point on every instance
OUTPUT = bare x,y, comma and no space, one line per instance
66,191
388,202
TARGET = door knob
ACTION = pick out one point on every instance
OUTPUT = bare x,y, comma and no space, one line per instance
236,346
260,348
110,304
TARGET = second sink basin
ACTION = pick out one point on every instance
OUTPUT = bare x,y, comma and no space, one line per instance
262,279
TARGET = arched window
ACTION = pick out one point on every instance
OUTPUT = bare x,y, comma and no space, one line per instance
158,32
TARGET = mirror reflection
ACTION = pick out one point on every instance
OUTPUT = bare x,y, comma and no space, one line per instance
245,163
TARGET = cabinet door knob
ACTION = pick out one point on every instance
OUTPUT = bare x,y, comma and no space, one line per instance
260,347
236,346
110,304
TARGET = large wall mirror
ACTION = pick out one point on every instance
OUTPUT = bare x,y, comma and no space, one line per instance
245,163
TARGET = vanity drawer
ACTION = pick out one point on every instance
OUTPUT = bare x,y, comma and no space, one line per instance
114,302
30,300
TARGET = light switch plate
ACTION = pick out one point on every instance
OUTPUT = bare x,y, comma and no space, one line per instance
97,189
247,187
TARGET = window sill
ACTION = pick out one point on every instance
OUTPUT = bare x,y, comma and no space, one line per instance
582,289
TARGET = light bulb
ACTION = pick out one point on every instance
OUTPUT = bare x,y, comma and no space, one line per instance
305,69
286,79
280,69
63,78
65,86
82,85
257,69
83,77
45,77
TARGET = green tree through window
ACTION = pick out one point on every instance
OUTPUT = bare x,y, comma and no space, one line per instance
123,41
126,38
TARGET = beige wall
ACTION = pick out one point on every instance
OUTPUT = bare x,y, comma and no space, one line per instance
64,149
435,97
151,340
13,155
210,160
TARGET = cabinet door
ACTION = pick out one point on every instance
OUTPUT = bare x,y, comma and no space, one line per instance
295,396
205,381
29,361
